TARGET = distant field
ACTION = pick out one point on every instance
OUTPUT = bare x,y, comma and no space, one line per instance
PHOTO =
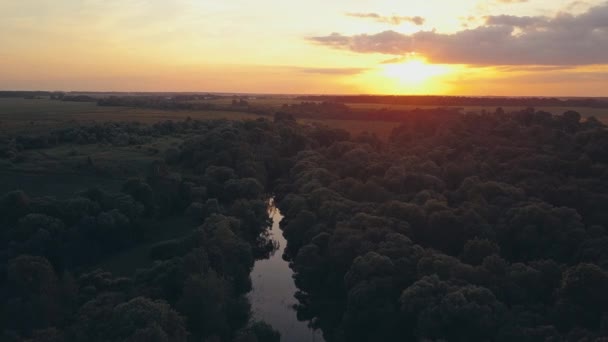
277,102
30,115
22,116
599,113
270,101
106,159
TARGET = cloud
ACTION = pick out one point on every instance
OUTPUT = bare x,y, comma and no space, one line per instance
394,60
515,21
534,68
574,76
577,5
393,20
565,39
331,71
512,1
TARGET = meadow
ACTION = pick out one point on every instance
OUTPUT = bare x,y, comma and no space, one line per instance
27,115
24,116
599,113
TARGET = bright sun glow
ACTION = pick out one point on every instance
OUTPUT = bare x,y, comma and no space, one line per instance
414,71
413,76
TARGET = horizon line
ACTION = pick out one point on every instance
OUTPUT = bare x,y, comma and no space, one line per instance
296,94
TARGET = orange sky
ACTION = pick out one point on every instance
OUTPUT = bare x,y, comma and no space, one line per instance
467,47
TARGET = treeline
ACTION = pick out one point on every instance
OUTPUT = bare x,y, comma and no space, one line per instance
95,95
423,100
157,102
339,111
111,133
53,95
465,228
107,133
182,102
178,95
73,98
24,94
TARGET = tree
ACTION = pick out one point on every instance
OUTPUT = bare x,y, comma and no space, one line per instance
142,318
202,303
477,249
33,290
582,295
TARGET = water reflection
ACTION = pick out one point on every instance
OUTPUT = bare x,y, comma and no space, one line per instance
272,297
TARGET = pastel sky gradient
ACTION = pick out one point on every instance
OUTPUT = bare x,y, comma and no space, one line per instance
465,47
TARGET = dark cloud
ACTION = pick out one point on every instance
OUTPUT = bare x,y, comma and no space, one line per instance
565,39
467,21
393,20
331,71
515,21
596,77
535,68
551,78
394,60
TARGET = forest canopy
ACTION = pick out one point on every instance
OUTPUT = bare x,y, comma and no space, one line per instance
459,227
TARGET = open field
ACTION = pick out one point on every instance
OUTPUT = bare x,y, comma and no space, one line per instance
65,169
277,102
19,115
27,116
599,113
269,101
105,159
129,260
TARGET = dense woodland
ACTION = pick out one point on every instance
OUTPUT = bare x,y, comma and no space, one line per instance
195,288
458,228
461,228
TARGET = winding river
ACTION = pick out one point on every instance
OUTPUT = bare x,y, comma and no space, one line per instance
272,297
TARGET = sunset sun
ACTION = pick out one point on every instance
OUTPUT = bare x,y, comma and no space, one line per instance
414,71
413,76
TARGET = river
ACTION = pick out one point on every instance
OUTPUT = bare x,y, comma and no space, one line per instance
272,297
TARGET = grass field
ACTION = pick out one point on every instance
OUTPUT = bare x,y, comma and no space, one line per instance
117,160
23,115
264,101
129,260
28,116
599,113
277,102
64,170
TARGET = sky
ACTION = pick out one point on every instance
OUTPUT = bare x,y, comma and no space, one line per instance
443,47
